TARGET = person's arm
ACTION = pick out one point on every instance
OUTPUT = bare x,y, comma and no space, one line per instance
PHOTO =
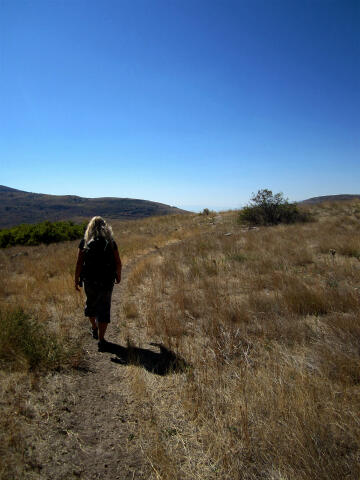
79,264
117,265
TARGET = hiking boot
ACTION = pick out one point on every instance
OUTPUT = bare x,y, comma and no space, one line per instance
94,332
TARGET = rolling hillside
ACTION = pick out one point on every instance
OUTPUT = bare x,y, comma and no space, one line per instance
331,198
18,207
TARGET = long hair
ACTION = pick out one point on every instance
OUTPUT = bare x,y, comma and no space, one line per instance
96,228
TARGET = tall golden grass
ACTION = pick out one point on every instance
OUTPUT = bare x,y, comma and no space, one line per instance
267,320
37,292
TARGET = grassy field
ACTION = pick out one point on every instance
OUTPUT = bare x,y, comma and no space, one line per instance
267,320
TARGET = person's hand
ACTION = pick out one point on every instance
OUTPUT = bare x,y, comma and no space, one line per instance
77,288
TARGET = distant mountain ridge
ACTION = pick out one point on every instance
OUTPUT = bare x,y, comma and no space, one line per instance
332,198
17,206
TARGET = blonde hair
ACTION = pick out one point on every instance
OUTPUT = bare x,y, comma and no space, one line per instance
96,228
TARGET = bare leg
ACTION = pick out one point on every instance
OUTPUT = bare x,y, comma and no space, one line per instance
93,322
102,330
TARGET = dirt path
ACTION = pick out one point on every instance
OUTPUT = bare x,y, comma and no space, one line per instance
87,432
89,424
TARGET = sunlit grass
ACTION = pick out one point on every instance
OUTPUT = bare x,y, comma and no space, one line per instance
269,320
266,319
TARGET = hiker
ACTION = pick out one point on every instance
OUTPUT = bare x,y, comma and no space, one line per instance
98,266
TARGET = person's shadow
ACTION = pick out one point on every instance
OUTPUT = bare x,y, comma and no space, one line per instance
161,363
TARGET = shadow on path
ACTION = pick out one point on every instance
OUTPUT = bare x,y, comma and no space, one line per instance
160,363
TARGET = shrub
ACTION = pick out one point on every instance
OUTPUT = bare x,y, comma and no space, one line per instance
25,343
44,232
265,208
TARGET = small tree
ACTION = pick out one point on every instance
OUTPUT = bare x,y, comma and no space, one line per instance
265,208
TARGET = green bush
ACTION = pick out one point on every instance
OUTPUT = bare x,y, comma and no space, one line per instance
44,232
25,343
265,208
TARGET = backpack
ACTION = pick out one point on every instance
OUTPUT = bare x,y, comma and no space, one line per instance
99,262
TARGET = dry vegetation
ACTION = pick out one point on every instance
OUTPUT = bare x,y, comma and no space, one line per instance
42,325
267,320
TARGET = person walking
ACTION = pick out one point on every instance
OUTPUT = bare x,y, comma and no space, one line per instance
98,266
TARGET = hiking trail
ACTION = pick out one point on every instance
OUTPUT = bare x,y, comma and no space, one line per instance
88,421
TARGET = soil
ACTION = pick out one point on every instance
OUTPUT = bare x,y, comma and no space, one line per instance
87,424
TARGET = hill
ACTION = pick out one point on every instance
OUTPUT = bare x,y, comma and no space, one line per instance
17,206
331,198
233,354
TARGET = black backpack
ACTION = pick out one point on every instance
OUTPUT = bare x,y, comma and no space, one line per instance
99,262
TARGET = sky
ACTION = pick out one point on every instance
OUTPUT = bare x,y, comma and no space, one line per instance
191,103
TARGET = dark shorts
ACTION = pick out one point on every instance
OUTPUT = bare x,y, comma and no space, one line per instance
98,301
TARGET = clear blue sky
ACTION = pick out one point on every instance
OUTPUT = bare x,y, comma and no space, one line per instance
188,102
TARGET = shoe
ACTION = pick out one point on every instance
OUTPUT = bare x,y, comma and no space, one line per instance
102,345
94,332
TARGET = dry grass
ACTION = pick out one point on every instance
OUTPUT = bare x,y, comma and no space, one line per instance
268,321
39,281
130,310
